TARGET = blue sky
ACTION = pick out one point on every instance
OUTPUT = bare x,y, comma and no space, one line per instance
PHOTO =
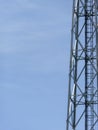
34,60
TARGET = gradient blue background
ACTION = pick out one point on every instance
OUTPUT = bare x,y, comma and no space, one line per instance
34,60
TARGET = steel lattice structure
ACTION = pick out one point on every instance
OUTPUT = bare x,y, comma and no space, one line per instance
82,112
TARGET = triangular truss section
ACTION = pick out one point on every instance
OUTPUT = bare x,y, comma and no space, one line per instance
82,112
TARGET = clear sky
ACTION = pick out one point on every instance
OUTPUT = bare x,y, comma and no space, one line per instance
34,60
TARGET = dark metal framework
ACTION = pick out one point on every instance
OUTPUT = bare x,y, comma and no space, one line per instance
82,112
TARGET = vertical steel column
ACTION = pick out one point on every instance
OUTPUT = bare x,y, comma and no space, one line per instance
96,19
86,68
